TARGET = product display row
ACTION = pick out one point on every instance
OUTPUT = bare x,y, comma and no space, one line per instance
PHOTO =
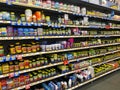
11,31
33,47
72,9
77,78
34,62
81,76
40,18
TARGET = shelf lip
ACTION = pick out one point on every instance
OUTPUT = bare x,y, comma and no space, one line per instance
52,37
59,63
63,11
60,75
93,79
69,26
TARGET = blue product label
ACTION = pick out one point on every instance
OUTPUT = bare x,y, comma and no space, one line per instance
7,58
13,57
16,74
13,23
21,34
20,30
1,59
4,58
29,24
35,24
39,24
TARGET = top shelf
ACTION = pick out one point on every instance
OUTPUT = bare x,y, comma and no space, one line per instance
97,7
21,6
90,5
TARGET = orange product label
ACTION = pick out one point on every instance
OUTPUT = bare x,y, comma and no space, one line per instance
16,67
21,64
26,64
24,49
34,48
12,68
29,49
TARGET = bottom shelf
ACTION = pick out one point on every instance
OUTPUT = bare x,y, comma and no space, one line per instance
93,79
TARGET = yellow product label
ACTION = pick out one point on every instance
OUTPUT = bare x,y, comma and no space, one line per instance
4,30
55,56
5,68
12,50
18,49
1,46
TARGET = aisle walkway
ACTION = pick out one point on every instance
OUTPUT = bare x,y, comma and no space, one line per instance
109,82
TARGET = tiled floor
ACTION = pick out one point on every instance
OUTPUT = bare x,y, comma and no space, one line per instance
109,82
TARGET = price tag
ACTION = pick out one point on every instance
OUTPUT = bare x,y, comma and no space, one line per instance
29,24
13,23
35,24
7,58
107,26
11,75
39,24
4,58
17,74
19,57
13,57
24,23
65,62
1,59
77,71
37,38
95,36
27,87
77,60
8,2
18,23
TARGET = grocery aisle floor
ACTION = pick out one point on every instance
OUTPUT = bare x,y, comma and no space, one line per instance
109,82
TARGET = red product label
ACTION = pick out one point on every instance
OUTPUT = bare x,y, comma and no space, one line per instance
21,80
26,63
16,82
3,82
65,62
107,26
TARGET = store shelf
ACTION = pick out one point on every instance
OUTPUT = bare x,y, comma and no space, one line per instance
60,75
65,50
3,59
93,79
55,37
59,63
45,24
59,11
95,6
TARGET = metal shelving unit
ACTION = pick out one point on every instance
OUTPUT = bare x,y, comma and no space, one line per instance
76,2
